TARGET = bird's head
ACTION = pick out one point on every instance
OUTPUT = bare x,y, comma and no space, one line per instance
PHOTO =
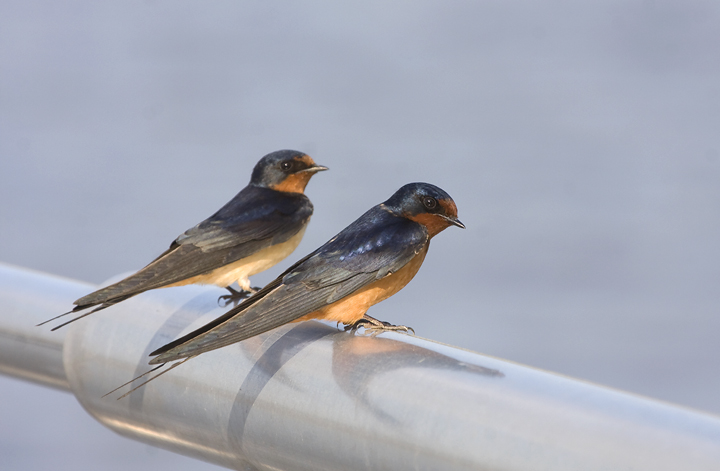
425,204
285,170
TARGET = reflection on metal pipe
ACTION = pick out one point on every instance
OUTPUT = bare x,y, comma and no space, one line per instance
309,397
26,297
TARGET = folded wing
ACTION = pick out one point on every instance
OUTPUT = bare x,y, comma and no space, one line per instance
255,219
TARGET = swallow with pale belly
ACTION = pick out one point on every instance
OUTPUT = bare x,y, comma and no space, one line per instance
255,230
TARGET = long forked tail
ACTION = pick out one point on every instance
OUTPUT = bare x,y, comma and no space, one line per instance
175,365
109,295
83,307
154,275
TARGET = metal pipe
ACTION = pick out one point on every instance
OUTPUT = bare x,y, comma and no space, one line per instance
27,298
309,397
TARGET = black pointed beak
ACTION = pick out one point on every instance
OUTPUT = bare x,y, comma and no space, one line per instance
454,221
314,169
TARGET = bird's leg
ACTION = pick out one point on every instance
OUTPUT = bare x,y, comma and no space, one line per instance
375,327
235,296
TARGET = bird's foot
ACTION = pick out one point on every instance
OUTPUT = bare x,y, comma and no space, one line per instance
374,326
234,297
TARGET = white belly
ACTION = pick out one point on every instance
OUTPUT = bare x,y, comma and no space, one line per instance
244,268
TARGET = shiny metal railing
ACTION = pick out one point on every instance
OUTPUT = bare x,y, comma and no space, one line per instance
308,397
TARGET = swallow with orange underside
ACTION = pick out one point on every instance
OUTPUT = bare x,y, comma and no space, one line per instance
255,230
369,261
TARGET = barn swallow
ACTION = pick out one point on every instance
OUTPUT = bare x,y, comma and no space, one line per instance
256,229
369,261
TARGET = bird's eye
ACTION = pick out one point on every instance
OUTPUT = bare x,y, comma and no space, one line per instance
286,165
429,202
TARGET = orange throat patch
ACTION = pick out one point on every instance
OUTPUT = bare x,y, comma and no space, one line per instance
297,182
435,224
294,183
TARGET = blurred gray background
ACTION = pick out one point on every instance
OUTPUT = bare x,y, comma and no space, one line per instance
581,143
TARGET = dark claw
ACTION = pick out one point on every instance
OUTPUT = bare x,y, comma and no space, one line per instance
375,327
388,327
356,325
234,297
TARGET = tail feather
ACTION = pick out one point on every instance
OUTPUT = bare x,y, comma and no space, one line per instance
80,308
162,271
83,307
134,379
147,278
130,286
174,365
58,317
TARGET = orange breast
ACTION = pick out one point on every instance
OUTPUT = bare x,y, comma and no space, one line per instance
351,308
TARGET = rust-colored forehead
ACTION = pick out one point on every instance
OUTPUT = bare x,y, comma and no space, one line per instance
449,207
306,159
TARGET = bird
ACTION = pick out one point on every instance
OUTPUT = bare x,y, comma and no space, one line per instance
256,229
368,261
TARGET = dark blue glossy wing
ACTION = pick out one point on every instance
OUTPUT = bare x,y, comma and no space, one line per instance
372,247
255,214
378,242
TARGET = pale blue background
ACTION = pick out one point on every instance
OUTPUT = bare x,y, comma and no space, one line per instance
580,141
